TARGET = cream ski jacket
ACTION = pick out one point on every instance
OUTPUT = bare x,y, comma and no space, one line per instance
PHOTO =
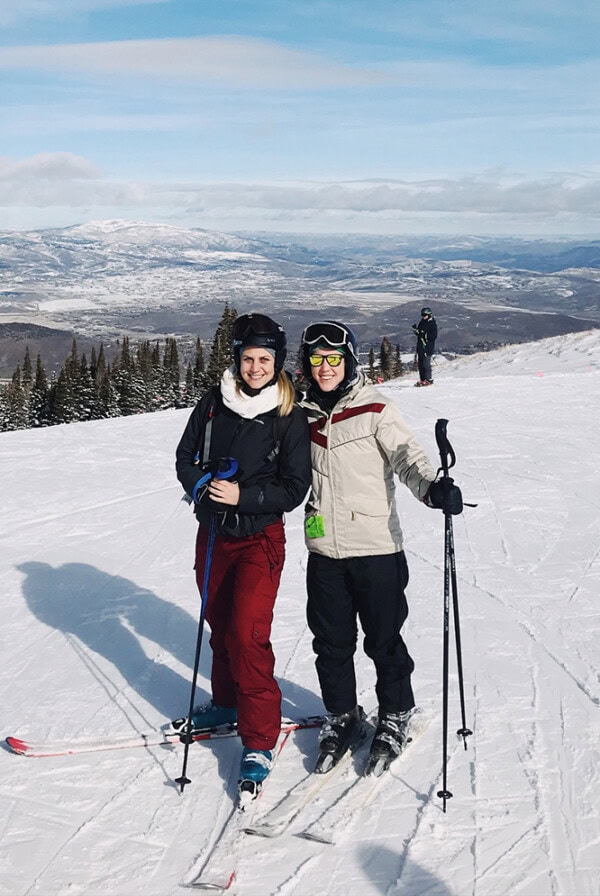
356,451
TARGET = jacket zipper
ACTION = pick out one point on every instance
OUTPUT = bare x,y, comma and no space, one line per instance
332,490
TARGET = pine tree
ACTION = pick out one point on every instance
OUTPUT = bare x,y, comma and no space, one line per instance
221,356
63,403
93,363
98,367
27,374
386,359
4,413
122,377
172,371
398,368
130,383
71,364
39,399
16,400
86,393
108,396
159,393
188,395
371,373
199,371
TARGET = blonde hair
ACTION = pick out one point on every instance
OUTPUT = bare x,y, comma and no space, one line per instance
286,391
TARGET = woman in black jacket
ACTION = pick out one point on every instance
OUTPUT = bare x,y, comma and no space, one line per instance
250,418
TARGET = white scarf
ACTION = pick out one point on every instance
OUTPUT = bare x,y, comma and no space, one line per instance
248,406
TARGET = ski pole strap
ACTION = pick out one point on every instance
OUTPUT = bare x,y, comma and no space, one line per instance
223,468
227,467
445,448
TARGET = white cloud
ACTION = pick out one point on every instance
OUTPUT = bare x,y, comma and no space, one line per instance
58,167
240,61
66,181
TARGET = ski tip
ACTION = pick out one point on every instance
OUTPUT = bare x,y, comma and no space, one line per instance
17,746
213,888
317,837
263,830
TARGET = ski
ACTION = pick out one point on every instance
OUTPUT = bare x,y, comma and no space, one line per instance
340,815
157,738
278,819
219,869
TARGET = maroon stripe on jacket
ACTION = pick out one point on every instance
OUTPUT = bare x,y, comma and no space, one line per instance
316,436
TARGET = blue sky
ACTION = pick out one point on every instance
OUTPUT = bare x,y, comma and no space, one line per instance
388,116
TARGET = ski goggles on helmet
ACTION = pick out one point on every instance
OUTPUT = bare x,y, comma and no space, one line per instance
335,335
249,325
332,360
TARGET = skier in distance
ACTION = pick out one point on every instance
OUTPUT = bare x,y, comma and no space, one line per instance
426,332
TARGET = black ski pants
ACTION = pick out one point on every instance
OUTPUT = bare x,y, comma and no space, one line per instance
372,590
424,364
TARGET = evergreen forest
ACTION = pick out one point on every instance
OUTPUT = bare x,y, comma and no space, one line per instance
139,379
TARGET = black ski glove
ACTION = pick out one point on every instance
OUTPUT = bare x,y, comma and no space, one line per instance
446,496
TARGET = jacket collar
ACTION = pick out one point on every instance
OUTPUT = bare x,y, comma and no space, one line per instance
248,406
343,401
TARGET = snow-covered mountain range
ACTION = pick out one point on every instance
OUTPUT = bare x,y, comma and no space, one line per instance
106,278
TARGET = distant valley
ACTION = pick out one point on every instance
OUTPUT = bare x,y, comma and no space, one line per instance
104,279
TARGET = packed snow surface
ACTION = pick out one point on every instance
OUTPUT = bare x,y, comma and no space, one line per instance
99,628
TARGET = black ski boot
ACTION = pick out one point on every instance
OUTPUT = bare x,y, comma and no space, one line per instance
336,736
391,736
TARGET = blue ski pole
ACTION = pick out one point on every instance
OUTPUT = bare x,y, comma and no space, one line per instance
226,468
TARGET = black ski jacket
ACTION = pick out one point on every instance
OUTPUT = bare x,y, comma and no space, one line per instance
427,332
273,454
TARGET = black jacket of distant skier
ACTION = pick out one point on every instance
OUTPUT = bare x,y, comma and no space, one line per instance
426,331
273,454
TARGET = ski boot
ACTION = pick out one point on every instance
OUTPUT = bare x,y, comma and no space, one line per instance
391,736
207,717
336,736
255,766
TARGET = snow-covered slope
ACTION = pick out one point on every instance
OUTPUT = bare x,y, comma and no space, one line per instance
98,635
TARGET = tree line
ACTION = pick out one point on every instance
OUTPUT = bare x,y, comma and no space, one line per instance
141,378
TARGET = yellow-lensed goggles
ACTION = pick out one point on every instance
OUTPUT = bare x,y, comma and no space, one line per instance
332,360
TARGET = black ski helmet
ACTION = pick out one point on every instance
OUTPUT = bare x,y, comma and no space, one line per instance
426,310
330,334
258,330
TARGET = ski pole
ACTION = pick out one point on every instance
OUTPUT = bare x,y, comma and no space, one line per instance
186,736
444,793
225,468
448,459
445,451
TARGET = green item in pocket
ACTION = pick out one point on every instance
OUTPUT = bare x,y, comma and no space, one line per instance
314,527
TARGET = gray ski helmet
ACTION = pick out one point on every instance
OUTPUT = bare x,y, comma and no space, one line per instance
258,330
330,334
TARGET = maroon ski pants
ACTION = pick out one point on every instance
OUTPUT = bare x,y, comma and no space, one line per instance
244,579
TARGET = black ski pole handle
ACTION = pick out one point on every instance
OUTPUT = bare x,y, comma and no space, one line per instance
445,448
446,451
